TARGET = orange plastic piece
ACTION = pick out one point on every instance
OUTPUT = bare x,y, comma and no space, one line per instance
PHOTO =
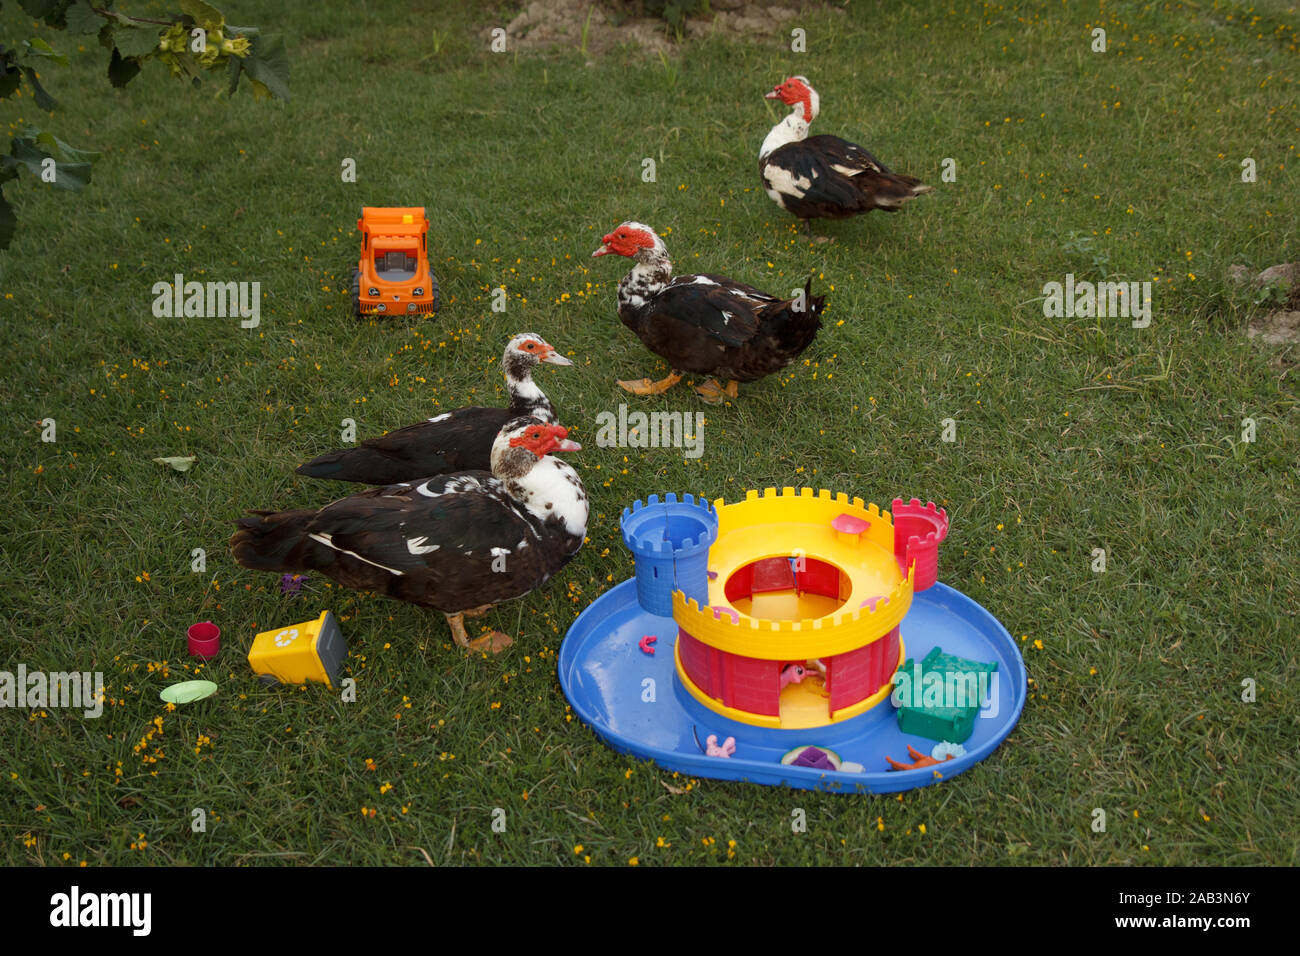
918,760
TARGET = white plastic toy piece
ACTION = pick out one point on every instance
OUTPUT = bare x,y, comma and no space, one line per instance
943,750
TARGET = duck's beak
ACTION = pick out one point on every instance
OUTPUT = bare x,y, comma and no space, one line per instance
560,435
774,95
602,251
553,357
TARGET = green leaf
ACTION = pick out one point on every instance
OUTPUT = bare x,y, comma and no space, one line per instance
39,8
268,63
189,66
9,80
112,16
73,177
106,35
205,15
178,462
59,148
24,151
82,19
234,66
43,99
137,41
8,222
122,70
38,47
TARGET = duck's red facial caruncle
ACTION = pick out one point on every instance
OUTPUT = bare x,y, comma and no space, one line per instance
625,241
794,91
541,440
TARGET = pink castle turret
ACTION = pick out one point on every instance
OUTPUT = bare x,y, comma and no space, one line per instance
918,531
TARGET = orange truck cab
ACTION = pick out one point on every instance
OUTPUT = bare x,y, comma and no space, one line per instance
393,275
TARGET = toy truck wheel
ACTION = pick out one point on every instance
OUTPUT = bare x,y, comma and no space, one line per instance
436,298
356,291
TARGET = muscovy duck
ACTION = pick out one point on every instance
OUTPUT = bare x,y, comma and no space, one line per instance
706,324
459,440
824,176
457,543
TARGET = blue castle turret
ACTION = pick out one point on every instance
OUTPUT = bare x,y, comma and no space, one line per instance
670,541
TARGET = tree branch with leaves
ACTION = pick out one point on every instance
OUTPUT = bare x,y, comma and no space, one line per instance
191,42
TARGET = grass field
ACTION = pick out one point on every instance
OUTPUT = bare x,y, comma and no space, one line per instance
1071,433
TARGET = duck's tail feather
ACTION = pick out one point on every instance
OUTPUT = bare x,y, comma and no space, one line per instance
889,191
275,541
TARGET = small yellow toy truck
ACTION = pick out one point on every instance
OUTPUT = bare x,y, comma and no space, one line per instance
393,275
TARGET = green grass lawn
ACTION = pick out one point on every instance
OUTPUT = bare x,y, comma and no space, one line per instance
1072,433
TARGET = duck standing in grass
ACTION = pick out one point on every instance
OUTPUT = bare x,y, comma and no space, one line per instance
457,543
705,324
824,177
459,440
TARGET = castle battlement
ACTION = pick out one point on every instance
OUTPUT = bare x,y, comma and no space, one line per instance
730,631
850,540
669,539
918,531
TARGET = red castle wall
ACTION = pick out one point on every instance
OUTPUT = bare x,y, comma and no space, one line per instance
754,685
886,660
698,662
858,674
848,674
746,683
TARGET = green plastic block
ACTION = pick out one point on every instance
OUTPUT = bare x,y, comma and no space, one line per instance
952,717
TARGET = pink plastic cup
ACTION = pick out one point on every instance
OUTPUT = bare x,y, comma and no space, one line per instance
205,639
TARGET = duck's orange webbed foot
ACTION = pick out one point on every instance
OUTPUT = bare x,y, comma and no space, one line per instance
494,642
644,386
713,392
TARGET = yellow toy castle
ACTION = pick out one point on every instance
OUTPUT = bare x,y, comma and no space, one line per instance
800,584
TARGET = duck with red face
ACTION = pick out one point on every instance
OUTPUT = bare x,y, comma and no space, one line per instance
458,543
824,176
458,440
706,324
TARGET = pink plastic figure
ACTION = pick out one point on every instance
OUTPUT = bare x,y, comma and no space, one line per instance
793,674
713,750
647,644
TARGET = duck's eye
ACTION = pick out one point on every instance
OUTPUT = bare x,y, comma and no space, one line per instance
530,345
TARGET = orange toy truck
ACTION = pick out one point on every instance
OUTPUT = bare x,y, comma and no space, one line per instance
393,276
